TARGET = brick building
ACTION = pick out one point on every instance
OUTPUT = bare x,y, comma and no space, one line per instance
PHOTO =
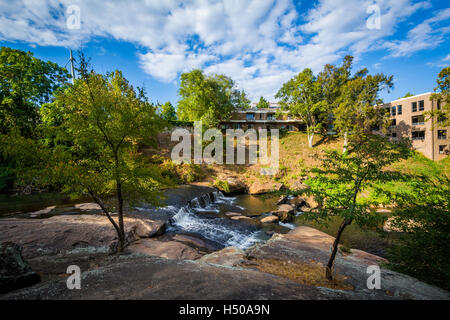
407,116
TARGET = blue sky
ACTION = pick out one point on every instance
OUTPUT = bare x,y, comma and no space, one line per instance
259,43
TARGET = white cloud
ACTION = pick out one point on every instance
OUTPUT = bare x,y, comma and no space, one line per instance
259,43
425,35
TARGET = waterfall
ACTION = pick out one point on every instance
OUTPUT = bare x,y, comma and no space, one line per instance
220,230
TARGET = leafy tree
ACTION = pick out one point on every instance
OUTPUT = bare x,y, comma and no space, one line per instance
423,215
25,83
168,112
339,184
355,113
441,94
263,103
302,97
206,98
243,101
407,95
95,128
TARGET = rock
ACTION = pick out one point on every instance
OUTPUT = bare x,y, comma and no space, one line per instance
235,185
233,214
15,273
247,220
149,228
137,276
230,256
270,219
260,188
42,212
164,249
194,241
305,245
88,206
59,234
285,212
298,185
282,200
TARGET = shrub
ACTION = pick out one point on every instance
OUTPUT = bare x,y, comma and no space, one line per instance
221,185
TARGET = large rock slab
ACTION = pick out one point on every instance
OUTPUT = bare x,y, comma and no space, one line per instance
285,212
15,273
230,256
138,276
305,245
164,249
260,188
59,234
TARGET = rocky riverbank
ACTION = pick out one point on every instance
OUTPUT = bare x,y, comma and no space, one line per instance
288,266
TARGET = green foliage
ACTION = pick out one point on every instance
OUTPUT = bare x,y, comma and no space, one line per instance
442,94
168,112
355,113
263,103
222,185
302,97
207,98
407,95
25,83
423,214
342,178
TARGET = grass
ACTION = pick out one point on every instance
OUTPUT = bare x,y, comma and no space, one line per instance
304,273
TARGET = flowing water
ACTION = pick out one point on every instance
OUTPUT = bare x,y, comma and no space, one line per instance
191,210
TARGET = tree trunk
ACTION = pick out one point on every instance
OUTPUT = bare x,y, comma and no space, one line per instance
120,215
345,142
310,136
329,268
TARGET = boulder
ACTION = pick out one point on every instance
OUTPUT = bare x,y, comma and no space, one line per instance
285,212
270,219
230,256
15,273
247,220
87,206
235,185
164,249
60,234
233,214
261,188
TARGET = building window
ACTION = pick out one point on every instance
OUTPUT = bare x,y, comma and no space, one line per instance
250,126
250,116
237,125
394,135
421,105
399,109
418,135
271,116
417,120
393,111
442,149
414,106
442,134
439,104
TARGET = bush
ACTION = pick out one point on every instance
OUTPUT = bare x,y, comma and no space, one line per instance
221,185
424,217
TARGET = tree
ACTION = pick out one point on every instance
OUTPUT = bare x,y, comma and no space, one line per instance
25,83
243,101
442,96
95,128
356,112
168,112
206,98
342,178
407,95
263,103
302,97
423,215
